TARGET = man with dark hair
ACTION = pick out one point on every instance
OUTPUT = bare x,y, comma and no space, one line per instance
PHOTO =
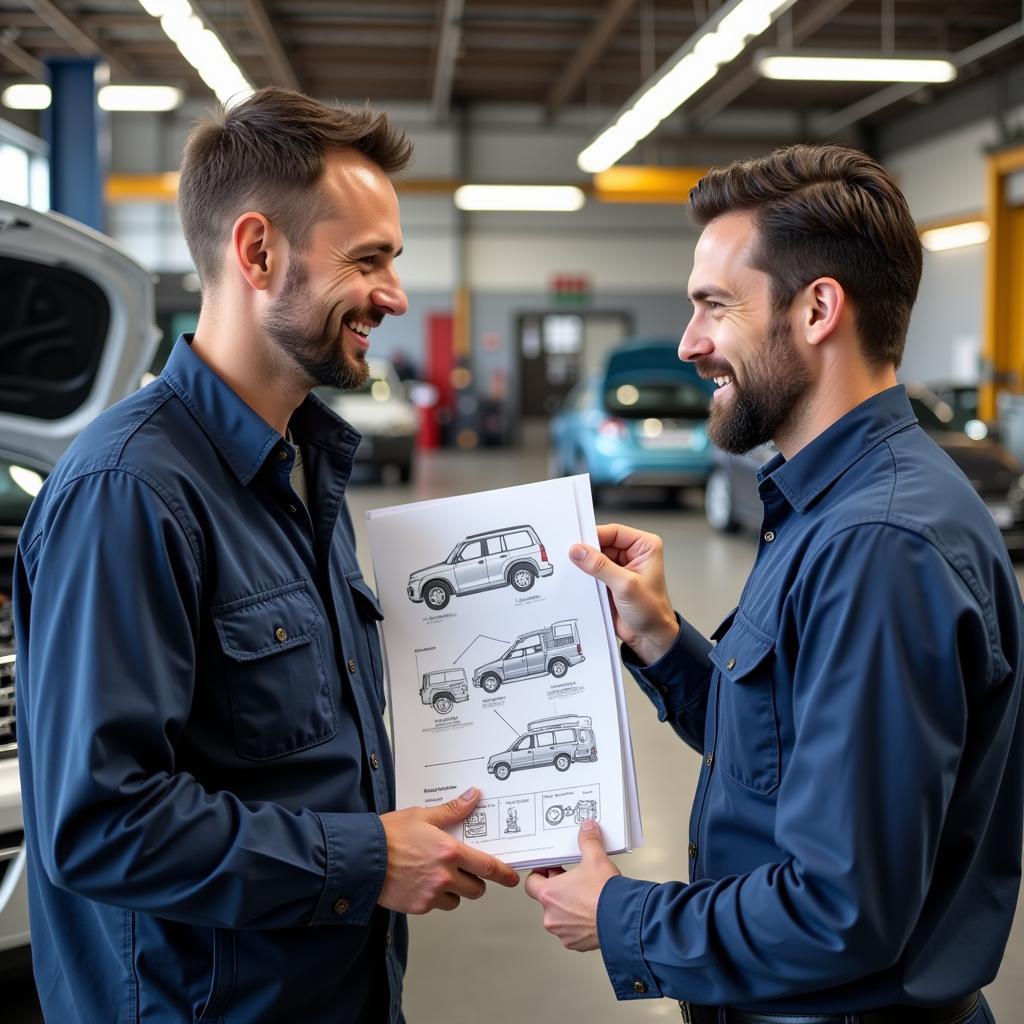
855,839
208,788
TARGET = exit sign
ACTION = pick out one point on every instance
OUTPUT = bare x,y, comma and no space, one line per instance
570,289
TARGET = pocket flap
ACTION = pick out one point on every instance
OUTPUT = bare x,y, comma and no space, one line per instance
364,596
276,620
741,648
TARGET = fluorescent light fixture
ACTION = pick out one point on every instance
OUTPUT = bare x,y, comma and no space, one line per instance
723,38
26,96
955,236
111,97
201,48
853,67
549,198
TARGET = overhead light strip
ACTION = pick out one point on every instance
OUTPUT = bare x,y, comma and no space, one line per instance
955,236
720,40
546,198
201,48
33,96
853,67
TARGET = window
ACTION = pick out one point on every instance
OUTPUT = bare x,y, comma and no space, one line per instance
493,545
563,629
474,549
565,736
523,743
529,643
515,541
545,739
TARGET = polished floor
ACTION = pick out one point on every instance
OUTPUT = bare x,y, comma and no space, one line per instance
491,961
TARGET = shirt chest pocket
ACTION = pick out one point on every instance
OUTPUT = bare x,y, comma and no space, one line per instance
275,674
747,748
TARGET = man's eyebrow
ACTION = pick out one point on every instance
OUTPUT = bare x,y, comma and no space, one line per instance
709,292
385,247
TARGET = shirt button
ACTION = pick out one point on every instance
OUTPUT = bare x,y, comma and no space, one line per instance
709,758
730,664
769,536
341,906
282,454
692,850
639,987
293,509
281,633
374,762
351,664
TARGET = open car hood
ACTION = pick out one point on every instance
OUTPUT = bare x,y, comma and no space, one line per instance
77,331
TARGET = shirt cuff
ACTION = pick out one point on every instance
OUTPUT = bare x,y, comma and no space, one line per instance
357,858
619,918
664,681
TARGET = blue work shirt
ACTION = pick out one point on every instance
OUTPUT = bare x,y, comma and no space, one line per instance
202,747
855,837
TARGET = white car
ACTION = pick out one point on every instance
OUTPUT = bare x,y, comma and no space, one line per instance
77,334
381,411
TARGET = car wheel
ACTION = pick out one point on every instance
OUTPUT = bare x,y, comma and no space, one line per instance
443,703
521,577
562,762
490,682
718,506
554,815
502,771
558,667
437,595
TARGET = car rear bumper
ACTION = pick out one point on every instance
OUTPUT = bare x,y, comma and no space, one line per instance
546,570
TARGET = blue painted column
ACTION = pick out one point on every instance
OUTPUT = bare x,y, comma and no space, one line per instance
76,130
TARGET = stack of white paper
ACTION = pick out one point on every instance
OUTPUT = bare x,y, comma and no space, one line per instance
503,669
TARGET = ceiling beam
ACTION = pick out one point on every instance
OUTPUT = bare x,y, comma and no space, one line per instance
80,39
590,50
281,69
448,40
748,77
20,57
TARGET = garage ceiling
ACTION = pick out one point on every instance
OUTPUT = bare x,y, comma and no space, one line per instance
454,53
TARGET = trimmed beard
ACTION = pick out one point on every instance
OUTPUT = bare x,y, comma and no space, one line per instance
775,379
299,325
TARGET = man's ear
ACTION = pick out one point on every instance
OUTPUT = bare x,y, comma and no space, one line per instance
253,241
820,309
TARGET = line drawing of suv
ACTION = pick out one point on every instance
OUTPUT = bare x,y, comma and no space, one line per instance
513,556
444,689
557,742
77,335
549,651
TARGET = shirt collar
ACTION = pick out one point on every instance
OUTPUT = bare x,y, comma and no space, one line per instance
243,438
820,463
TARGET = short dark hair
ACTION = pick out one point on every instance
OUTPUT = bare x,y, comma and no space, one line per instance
267,153
827,211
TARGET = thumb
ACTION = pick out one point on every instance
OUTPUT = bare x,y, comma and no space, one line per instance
451,813
595,564
591,844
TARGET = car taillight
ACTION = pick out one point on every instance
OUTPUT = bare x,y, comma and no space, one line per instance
543,553
579,649
612,427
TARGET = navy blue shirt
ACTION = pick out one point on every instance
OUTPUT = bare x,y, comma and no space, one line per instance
855,838
202,748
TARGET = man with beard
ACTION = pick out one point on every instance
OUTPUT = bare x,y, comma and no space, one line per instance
855,838
208,789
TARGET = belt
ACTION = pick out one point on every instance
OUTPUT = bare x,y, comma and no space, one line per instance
956,1012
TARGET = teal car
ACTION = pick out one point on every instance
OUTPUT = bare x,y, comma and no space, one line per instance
642,421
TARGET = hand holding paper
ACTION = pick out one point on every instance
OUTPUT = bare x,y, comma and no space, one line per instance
631,565
428,869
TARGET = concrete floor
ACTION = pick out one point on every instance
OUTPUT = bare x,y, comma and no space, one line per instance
491,960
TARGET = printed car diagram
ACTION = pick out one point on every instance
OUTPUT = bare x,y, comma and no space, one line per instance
558,741
444,689
549,651
513,556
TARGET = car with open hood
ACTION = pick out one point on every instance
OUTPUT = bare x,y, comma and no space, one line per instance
77,335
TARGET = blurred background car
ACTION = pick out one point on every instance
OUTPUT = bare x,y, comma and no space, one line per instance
731,501
642,421
382,412
77,335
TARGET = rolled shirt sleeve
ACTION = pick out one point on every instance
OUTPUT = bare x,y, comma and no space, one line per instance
107,651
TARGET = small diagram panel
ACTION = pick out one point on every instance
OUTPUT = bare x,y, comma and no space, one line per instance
483,822
552,650
443,689
518,815
569,808
511,556
556,742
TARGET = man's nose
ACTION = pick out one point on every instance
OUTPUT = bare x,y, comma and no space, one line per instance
390,296
694,343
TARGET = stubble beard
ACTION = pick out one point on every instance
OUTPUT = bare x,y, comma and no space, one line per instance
775,379
299,324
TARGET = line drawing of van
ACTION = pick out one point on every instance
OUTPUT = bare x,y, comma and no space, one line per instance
549,651
512,556
444,688
548,742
